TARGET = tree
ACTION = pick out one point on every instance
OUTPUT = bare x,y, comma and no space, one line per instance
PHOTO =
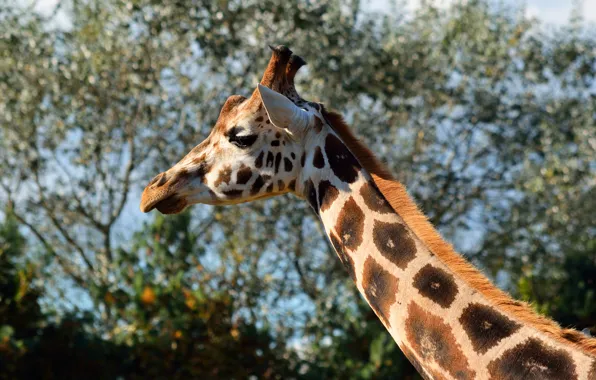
20,314
487,118
172,328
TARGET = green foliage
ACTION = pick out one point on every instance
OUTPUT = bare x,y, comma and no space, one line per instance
179,330
20,314
485,116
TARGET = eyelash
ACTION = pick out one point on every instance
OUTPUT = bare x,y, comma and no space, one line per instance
241,141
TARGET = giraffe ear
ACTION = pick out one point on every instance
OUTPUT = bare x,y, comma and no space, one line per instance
282,112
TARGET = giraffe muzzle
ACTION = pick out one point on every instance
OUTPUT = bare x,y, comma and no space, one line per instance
161,193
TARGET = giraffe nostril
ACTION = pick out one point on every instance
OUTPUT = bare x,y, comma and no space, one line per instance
158,180
153,180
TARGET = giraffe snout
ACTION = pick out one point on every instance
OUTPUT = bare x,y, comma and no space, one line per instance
161,193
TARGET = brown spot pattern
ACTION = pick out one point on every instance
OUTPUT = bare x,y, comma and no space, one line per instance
259,119
311,195
533,360
436,285
292,185
244,175
344,257
433,340
342,161
318,125
374,199
327,194
380,288
277,161
202,171
259,160
303,159
225,175
318,160
394,242
288,164
257,185
269,159
350,225
280,185
486,327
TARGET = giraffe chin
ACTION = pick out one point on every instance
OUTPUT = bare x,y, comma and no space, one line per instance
171,205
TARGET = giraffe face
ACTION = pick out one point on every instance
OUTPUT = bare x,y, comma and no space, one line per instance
252,152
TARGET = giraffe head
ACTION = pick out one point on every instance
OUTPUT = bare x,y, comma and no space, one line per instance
253,151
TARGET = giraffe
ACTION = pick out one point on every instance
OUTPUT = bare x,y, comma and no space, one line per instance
445,315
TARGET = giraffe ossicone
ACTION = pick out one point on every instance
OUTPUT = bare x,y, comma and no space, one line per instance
447,318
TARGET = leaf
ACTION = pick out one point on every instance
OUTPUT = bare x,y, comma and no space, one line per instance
377,349
138,282
6,332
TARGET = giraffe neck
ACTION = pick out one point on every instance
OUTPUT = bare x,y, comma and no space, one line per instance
445,326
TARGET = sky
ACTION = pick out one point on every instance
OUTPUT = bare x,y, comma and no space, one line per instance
555,12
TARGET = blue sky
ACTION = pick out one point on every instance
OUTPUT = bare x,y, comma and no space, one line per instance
554,12
551,11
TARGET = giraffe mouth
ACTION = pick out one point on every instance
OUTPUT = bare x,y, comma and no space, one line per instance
164,203
171,205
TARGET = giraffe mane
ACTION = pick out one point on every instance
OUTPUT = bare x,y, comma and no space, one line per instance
404,205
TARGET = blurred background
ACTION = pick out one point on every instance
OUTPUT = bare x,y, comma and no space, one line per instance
484,109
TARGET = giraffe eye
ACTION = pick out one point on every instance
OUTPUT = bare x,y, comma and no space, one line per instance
241,141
